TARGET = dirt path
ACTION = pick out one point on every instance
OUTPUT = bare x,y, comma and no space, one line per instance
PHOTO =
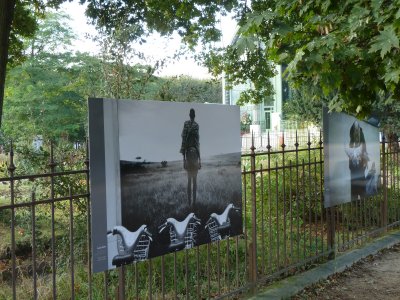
375,277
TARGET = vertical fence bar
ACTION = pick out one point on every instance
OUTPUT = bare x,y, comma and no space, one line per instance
163,277
218,268
347,210
315,206
304,209
105,284
331,231
175,278
237,260
121,283
321,190
187,274
291,210
245,219
11,170
269,203
397,178
88,226
384,203
208,272
150,271
390,164
277,217
296,145
35,294
284,199
339,208
52,165
262,221
198,271
253,263
228,281
71,238
137,281
309,190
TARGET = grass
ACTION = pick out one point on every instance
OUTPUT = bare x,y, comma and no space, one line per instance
155,194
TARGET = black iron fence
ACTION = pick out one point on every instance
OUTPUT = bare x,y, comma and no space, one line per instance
45,227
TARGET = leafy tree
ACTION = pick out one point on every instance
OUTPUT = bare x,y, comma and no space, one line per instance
44,99
121,77
304,107
243,62
194,20
17,21
53,35
349,49
187,89
46,94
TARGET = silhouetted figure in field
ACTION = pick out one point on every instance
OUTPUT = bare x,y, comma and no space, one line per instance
190,150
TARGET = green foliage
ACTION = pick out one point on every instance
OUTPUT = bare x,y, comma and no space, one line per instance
349,49
46,95
303,106
187,89
52,35
193,20
244,62
24,26
44,99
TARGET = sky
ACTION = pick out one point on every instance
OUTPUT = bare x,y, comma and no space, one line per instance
145,125
156,46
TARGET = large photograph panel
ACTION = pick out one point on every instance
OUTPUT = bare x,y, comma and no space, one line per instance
180,172
352,158
164,177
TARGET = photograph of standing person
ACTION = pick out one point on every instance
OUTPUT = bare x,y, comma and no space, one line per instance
352,158
179,167
190,150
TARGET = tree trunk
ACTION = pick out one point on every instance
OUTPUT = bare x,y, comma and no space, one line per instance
6,17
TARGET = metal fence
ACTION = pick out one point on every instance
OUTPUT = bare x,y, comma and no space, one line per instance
45,228
274,139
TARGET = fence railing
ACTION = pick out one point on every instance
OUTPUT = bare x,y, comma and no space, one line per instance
45,227
275,139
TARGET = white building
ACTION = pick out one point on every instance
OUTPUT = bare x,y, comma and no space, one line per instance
266,116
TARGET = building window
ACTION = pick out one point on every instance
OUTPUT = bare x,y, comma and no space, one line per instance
267,119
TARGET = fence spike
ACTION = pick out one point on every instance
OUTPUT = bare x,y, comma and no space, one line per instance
11,168
269,142
252,148
52,163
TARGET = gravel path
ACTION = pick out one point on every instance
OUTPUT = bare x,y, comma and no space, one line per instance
375,277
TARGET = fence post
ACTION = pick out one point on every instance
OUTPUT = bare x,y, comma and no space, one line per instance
384,203
11,170
253,260
88,224
121,283
331,231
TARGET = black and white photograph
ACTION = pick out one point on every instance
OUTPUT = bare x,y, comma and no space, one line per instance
352,158
177,178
